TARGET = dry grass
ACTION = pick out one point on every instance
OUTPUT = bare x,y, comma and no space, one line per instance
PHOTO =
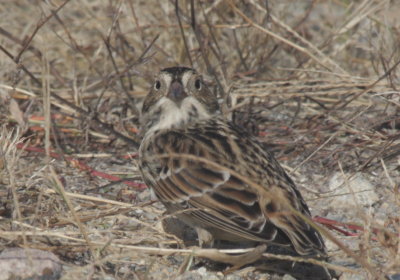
316,80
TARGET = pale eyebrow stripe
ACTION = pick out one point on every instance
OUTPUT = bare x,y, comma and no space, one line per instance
167,79
185,78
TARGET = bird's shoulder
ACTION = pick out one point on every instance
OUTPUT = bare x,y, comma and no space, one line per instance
216,137
223,143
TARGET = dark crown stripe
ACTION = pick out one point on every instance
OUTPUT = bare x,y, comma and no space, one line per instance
177,71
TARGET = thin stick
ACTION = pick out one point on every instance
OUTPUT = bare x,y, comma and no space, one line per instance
60,189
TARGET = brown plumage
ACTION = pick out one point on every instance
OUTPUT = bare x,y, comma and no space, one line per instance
214,176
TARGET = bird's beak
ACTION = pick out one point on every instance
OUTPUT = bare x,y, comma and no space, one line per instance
177,92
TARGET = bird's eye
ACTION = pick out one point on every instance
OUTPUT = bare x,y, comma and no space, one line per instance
197,84
157,85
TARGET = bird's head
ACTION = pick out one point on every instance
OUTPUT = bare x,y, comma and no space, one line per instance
177,98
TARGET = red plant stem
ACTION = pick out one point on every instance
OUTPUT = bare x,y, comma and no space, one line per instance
332,224
83,166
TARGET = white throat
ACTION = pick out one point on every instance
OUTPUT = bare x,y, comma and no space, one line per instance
173,116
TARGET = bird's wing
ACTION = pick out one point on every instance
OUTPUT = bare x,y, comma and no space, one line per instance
226,181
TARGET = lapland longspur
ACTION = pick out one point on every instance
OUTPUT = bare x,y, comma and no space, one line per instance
214,176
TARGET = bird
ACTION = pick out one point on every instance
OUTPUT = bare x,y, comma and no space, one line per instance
213,175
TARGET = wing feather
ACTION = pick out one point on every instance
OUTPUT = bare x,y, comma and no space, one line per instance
222,201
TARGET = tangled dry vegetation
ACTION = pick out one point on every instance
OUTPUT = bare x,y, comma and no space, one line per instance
316,80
